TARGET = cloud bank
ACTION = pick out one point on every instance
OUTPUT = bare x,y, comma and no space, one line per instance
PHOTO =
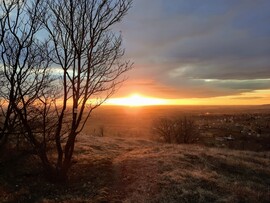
198,48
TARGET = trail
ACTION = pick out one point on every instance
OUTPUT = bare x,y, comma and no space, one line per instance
125,164
135,176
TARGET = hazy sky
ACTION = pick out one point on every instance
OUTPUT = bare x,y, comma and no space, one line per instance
197,48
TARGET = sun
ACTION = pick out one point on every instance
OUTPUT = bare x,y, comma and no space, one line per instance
136,99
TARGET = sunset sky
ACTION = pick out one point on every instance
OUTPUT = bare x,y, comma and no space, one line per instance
198,52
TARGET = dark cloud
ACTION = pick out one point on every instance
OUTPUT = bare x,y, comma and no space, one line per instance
180,44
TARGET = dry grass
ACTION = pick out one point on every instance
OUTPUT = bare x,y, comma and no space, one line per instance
132,170
194,174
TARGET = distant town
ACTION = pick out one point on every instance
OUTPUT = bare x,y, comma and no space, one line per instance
246,131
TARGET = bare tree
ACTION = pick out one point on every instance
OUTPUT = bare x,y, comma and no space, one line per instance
6,110
186,130
163,129
89,55
177,130
24,68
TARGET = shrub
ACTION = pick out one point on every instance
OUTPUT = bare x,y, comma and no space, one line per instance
177,130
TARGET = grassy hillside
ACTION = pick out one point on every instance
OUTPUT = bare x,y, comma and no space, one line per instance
131,170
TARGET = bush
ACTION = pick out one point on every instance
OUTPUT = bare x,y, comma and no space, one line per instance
178,130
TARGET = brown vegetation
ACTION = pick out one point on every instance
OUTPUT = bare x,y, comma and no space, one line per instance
132,170
176,130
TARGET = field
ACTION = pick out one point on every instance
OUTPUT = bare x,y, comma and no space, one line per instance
117,160
248,125
137,121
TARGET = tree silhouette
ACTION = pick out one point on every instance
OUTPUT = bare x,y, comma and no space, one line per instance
181,129
79,41
24,67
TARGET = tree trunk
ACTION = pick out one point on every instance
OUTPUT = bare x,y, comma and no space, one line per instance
55,175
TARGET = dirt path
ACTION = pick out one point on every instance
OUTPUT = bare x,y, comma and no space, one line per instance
124,172
135,176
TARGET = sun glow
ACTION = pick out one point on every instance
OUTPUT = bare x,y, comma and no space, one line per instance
257,97
136,100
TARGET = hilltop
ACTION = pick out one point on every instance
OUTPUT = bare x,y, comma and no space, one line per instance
131,170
